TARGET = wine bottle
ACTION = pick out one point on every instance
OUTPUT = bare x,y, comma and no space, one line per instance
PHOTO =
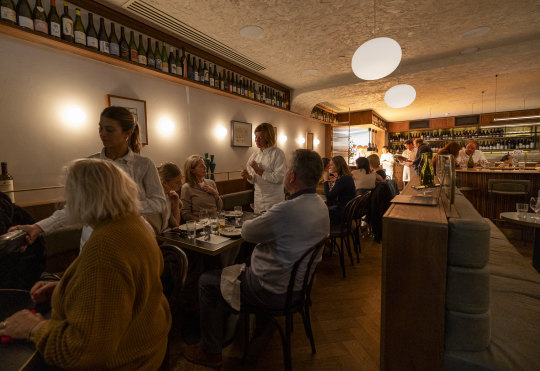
189,73
67,24
24,15
141,53
221,81
182,67
91,34
133,54
470,163
103,39
150,58
229,82
178,63
54,21
80,35
216,81
40,19
6,182
114,44
200,71
206,74
164,59
7,11
172,61
157,55
195,69
241,87
233,83
124,46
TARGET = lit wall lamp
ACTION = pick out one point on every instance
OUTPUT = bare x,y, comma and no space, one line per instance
316,142
220,132
301,140
74,116
165,126
282,138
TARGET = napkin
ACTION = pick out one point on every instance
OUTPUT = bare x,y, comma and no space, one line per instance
214,239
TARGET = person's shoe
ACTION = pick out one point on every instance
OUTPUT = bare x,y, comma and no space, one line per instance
195,354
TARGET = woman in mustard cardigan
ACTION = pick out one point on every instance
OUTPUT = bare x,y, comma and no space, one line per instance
108,310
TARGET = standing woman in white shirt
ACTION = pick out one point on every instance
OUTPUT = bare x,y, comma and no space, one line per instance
387,162
119,132
266,169
409,154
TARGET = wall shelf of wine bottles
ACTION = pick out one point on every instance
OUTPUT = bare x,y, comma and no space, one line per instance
105,38
490,139
322,114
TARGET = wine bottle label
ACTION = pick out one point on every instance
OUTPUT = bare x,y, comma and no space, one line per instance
92,42
173,68
142,59
55,29
9,14
159,63
114,49
211,81
150,62
6,186
26,22
80,37
222,85
41,26
196,76
67,27
133,55
104,46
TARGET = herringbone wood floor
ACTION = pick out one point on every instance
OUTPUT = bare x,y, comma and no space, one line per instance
345,320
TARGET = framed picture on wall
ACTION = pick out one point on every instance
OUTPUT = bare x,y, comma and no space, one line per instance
241,135
135,106
309,141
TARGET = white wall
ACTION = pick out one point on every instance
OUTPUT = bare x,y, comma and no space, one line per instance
38,83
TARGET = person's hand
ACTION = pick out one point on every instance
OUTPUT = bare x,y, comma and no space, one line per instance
326,176
173,196
42,291
210,190
32,231
256,168
19,325
246,175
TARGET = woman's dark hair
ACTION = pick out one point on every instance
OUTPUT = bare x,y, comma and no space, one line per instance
363,163
506,157
325,162
127,122
341,166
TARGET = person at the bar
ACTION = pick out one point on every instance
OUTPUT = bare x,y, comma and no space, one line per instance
171,180
109,310
506,160
198,193
266,169
119,133
387,162
471,150
343,190
282,235
451,148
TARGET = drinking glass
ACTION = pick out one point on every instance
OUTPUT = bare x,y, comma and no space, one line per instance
203,220
191,226
535,205
238,215
522,209
214,224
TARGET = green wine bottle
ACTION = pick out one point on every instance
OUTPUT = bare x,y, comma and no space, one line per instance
55,24
80,34
24,15
114,44
182,67
211,76
206,75
171,62
216,77
426,172
40,19
470,163
141,53
103,39
133,54
159,62
195,69
7,11
124,46
91,34
150,58
178,63
164,59
6,182
67,24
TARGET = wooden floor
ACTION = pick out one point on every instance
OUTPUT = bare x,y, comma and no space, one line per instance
345,320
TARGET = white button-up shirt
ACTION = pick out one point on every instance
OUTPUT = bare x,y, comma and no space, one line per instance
269,185
477,156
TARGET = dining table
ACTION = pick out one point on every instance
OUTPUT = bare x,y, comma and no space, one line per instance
528,220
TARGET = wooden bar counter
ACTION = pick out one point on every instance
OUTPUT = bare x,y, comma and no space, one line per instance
474,185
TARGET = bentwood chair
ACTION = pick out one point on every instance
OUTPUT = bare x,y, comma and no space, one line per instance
296,301
360,211
173,277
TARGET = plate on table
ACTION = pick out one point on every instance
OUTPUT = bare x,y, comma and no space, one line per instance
232,214
231,232
199,226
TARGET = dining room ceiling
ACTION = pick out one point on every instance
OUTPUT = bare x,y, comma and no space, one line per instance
448,57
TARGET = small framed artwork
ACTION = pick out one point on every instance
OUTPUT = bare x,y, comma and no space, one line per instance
135,106
309,141
241,135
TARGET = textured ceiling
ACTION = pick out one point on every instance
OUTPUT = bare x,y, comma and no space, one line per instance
323,35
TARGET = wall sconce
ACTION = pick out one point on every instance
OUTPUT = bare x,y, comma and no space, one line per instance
165,126
282,138
316,142
74,116
220,132
300,140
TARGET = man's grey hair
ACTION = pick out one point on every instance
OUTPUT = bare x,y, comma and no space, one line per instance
307,165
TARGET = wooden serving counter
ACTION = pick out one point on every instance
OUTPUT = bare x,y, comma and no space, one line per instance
474,185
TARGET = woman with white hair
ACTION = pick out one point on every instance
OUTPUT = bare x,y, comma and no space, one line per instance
108,311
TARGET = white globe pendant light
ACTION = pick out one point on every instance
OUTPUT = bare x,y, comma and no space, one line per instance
376,58
400,96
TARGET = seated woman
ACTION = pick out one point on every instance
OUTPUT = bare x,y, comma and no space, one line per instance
171,180
506,160
343,190
451,148
198,193
364,178
375,165
108,311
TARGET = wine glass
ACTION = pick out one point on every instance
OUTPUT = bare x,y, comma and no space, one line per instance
203,219
535,205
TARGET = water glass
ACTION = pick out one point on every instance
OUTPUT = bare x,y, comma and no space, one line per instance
203,220
214,224
191,226
535,205
522,209
238,213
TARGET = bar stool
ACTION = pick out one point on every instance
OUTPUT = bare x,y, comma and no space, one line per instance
507,191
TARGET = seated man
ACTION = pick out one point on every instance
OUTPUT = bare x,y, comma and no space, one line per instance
283,234
471,150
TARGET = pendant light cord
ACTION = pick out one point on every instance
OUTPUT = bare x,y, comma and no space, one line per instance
374,16
496,76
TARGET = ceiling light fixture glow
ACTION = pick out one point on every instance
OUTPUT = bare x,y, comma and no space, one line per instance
476,32
311,71
400,96
251,32
517,118
376,58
